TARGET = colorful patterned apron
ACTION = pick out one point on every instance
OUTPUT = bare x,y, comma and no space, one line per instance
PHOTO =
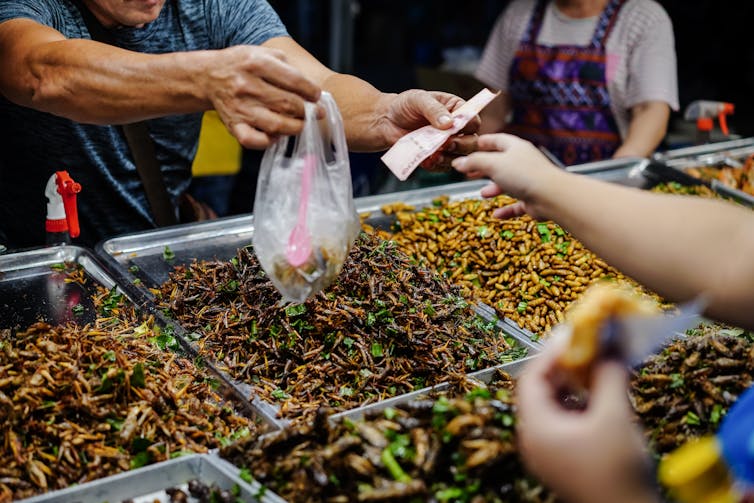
559,93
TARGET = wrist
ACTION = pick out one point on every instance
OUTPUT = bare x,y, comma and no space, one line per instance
542,200
382,120
202,74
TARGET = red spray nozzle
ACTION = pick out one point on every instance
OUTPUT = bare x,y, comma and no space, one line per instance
725,110
703,111
68,189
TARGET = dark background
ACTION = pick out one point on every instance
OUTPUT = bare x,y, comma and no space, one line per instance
714,47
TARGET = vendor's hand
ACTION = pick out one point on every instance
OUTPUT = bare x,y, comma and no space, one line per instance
515,166
591,455
416,108
258,95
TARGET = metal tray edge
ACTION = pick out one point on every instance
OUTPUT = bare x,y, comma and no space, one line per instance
708,148
513,368
117,482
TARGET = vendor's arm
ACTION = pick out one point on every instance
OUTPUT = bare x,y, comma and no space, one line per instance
257,93
649,123
679,246
373,120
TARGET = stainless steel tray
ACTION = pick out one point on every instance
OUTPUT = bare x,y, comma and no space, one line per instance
148,484
514,369
623,171
675,171
31,289
695,152
139,256
509,326
422,197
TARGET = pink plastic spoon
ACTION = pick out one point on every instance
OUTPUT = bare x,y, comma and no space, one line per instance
300,241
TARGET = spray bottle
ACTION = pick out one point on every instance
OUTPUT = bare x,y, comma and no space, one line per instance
704,112
62,215
716,468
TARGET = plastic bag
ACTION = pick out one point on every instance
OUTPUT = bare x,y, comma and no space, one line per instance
326,220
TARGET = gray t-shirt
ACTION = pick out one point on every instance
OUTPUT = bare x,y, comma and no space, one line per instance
33,145
641,63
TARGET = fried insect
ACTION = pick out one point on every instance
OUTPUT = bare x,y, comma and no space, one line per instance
741,178
385,327
83,402
452,447
528,271
685,391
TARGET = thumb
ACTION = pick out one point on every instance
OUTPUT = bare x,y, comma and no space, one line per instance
517,209
491,190
609,388
435,112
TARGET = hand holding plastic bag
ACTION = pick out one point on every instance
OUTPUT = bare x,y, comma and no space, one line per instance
305,218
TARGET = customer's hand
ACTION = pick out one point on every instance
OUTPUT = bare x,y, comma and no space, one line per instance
515,167
257,93
416,108
586,456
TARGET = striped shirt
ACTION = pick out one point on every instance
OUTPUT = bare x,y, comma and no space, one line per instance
641,62
33,145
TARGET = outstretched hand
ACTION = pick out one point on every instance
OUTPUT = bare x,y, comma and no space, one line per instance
515,167
592,455
258,94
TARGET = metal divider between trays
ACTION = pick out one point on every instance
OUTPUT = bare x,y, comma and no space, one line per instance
237,391
697,151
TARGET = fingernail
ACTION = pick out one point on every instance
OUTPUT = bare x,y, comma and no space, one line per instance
452,146
459,162
444,119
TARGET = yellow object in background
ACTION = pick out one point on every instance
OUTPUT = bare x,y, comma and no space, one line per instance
219,152
696,473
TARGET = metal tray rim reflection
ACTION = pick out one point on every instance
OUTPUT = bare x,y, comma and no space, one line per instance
120,247
150,479
40,257
606,165
701,150
513,368
421,197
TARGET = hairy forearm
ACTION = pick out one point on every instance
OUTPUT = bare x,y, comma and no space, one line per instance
363,108
678,246
95,83
649,122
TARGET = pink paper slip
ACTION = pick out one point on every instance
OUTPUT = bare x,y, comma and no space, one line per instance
412,149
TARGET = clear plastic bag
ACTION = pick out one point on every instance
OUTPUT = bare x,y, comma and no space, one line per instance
302,241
